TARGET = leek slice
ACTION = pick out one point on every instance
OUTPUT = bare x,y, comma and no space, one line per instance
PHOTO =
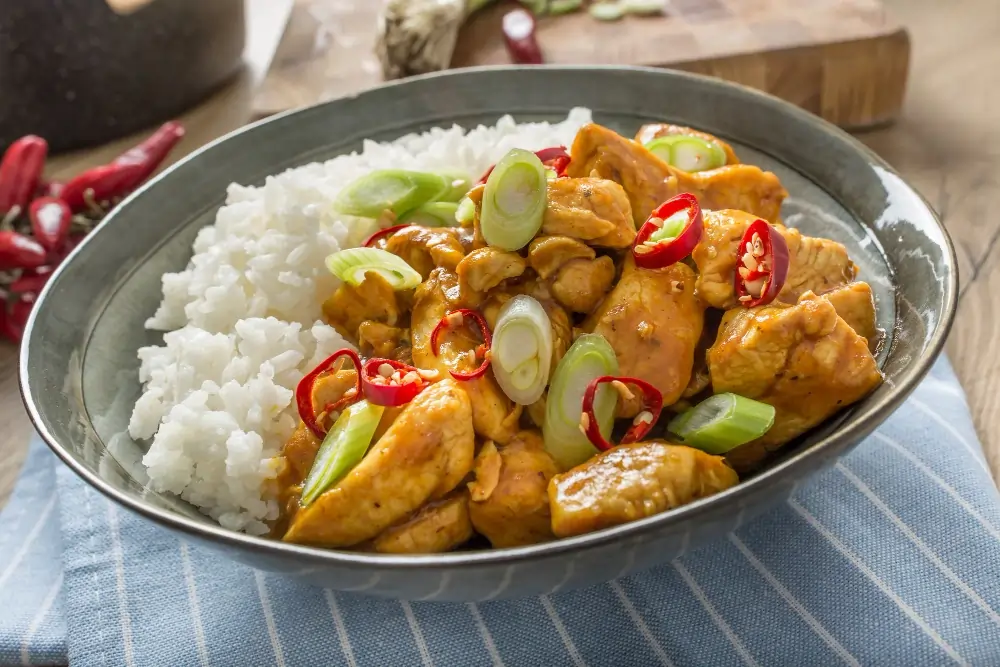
343,448
351,266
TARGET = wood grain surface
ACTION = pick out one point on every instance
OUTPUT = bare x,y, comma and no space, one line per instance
818,54
946,143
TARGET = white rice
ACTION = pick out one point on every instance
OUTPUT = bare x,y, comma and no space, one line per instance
244,317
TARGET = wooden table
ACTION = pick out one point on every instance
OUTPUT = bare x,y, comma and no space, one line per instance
947,144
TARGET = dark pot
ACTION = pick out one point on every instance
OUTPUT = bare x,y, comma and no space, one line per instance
78,74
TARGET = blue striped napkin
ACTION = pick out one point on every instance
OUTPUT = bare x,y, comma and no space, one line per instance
890,558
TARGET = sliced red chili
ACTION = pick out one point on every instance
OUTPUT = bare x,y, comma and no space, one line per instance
554,157
761,265
382,233
659,254
390,383
482,351
652,405
304,391
518,27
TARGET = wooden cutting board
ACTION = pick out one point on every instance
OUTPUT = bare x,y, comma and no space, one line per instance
844,60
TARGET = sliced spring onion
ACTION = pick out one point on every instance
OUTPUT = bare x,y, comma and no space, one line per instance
466,211
396,190
351,266
432,214
643,7
723,422
672,227
459,184
688,153
343,448
557,7
590,357
514,200
522,349
607,11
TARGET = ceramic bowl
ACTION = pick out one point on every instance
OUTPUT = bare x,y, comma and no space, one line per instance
79,367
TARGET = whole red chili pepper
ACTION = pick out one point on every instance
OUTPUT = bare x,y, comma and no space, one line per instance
652,405
304,391
18,251
20,172
519,37
99,186
482,351
761,265
151,152
51,220
382,387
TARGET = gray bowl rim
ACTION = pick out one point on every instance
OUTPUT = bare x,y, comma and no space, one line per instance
860,425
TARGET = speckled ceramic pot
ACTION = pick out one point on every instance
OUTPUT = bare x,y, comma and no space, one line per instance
79,367
77,73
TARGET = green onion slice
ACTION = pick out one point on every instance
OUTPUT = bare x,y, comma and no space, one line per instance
514,200
522,349
466,211
351,266
557,7
459,184
606,11
396,190
688,153
343,448
723,422
433,214
643,7
590,357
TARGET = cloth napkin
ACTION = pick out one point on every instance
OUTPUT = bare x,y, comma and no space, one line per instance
892,557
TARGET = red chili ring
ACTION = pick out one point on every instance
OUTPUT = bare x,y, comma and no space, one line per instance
671,251
304,390
776,258
382,233
484,349
386,394
653,403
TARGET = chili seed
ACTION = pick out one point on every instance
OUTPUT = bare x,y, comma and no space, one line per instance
351,393
744,272
455,319
656,222
642,249
584,422
622,390
644,417
749,261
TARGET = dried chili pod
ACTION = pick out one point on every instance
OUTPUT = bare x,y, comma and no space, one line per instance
18,251
51,220
20,171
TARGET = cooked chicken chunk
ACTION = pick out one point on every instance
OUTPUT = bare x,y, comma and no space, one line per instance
815,264
425,248
482,270
855,303
804,360
510,502
425,454
580,284
653,320
374,299
376,339
594,210
652,131
437,527
631,482
649,181
494,416
547,254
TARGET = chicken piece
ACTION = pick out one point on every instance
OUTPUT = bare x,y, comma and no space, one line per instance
425,454
581,283
649,181
653,319
536,411
855,304
804,360
631,482
374,299
510,502
814,264
594,210
425,248
376,339
652,131
437,527
494,416
483,269
546,254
